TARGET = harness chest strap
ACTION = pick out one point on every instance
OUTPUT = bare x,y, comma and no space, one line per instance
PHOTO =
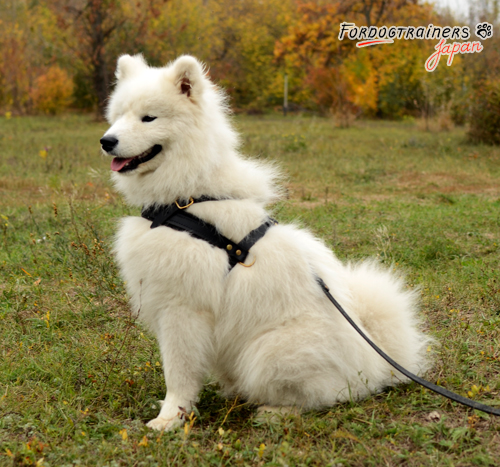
174,216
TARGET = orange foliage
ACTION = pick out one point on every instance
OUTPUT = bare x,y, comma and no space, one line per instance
52,91
339,76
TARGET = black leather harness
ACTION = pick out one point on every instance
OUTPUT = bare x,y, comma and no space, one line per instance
174,216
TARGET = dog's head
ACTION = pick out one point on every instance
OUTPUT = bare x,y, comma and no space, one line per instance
170,137
168,129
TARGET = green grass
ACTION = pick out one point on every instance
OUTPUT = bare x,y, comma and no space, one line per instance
76,371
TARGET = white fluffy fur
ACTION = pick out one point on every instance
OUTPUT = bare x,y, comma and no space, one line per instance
267,332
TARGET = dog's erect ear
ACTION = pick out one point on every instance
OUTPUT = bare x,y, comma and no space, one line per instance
188,75
128,65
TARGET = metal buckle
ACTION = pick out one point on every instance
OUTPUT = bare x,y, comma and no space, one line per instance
191,201
248,265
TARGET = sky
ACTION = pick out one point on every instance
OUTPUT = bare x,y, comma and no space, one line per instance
458,6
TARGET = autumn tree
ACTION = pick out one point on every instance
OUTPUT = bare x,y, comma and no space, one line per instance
336,76
248,46
235,39
91,28
14,79
88,26
25,52
242,55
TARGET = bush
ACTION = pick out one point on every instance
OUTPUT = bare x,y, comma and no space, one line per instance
485,114
84,97
52,91
459,109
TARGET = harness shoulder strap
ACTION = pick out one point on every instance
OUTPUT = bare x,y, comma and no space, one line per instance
256,234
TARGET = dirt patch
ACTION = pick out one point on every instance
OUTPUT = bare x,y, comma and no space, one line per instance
447,183
18,184
406,183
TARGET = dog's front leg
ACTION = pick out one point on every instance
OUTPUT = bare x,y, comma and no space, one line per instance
185,338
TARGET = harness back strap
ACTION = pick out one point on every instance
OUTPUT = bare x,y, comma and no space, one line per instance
174,216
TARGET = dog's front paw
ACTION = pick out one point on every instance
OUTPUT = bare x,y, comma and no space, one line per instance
165,424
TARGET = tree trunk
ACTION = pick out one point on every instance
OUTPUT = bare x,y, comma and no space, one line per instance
100,81
99,64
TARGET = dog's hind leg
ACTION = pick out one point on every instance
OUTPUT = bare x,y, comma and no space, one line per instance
300,365
186,344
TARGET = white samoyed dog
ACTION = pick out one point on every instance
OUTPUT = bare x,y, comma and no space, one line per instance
267,332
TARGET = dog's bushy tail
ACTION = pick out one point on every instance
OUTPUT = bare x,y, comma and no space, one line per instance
388,310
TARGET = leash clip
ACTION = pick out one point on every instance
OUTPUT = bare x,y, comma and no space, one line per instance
191,201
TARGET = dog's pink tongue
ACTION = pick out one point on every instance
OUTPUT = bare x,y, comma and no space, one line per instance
118,163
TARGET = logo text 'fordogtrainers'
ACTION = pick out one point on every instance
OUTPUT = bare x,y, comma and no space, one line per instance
373,35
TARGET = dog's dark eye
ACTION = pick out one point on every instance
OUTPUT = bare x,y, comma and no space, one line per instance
147,118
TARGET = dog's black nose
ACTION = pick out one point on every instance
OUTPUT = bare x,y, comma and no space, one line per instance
108,143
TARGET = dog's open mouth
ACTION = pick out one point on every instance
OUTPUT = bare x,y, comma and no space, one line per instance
124,164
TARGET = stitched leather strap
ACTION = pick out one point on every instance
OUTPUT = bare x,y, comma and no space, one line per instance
255,235
174,217
187,222
426,384
160,214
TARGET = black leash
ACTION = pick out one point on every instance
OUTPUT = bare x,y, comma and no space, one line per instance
174,216
426,384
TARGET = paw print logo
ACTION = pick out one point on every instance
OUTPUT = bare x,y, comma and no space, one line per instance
484,30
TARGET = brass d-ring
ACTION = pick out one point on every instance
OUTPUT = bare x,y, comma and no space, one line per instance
191,201
249,265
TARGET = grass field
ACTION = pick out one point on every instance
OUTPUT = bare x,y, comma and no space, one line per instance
78,377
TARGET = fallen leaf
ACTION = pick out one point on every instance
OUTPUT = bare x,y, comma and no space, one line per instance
434,416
